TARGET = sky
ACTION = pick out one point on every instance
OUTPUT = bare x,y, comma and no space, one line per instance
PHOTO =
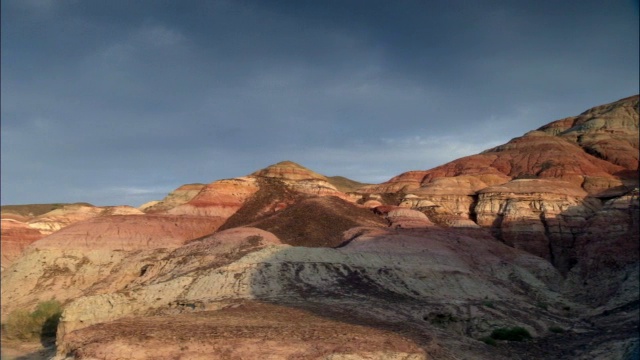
119,102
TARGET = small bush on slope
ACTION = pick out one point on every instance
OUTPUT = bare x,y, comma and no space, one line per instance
511,334
42,322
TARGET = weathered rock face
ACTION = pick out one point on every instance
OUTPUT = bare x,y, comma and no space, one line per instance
400,274
224,198
300,179
407,219
607,253
89,256
542,217
55,220
609,131
219,199
597,150
559,199
16,236
129,232
405,182
446,199
20,230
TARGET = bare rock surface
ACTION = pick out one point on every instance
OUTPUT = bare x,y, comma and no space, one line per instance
242,330
177,197
219,199
23,225
16,236
540,233
91,255
303,180
422,292
540,216
597,150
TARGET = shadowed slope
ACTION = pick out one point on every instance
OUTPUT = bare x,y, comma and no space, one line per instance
300,219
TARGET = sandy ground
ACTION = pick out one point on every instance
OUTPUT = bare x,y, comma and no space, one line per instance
33,350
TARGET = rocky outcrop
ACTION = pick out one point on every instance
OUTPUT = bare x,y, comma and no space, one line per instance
407,219
446,198
542,217
607,254
242,330
609,131
300,179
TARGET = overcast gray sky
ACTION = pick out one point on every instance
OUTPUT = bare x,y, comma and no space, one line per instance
119,102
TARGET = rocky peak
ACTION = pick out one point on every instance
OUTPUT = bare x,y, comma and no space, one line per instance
289,170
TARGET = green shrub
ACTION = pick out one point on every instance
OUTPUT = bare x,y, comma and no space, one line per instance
488,304
542,305
488,340
511,334
20,325
42,322
556,329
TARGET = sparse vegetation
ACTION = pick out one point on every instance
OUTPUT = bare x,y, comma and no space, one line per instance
542,305
488,304
556,329
488,340
42,322
511,334
440,319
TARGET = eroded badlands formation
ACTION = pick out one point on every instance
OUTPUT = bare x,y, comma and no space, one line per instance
285,263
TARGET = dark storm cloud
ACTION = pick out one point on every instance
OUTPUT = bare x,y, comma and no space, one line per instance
119,101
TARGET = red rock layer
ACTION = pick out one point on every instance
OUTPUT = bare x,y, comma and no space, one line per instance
597,150
130,232
15,237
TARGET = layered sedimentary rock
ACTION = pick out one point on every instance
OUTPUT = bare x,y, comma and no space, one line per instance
407,218
16,236
57,219
609,131
301,179
220,199
24,225
542,217
91,255
177,197
401,275
607,253
558,247
447,199
597,150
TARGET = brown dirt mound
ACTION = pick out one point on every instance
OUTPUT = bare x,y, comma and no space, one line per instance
300,219
318,222
248,330
272,196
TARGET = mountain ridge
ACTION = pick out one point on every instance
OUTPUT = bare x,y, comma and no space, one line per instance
535,233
